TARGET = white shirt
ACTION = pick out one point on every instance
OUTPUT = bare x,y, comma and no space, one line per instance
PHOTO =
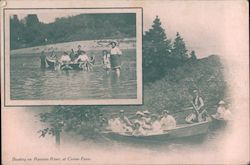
115,125
83,58
156,127
115,51
168,122
65,58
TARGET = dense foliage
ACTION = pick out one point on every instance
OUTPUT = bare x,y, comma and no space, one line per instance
30,32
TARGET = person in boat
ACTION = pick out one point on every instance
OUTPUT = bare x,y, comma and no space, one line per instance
115,58
65,60
84,60
223,112
53,55
79,51
155,124
114,124
138,129
106,61
146,117
141,119
199,111
43,60
72,55
167,121
125,123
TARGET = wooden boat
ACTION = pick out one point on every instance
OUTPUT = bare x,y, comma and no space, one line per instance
71,66
181,131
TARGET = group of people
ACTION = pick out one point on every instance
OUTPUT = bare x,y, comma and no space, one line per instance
145,123
111,59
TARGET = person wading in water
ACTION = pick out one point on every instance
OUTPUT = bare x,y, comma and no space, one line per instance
43,60
115,58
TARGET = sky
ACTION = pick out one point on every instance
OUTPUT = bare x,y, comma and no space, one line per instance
202,24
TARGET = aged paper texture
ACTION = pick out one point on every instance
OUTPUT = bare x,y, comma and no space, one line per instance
125,82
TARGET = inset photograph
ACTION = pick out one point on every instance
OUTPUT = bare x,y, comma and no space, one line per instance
73,56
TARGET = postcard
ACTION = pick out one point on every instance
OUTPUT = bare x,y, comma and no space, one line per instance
125,82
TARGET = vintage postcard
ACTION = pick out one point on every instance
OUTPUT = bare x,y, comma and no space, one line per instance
125,82
72,56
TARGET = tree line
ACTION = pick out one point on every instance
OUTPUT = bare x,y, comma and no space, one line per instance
29,31
160,54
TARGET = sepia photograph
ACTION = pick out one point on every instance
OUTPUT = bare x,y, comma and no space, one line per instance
125,82
82,54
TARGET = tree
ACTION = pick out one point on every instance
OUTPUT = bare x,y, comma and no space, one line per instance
179,51
16,32
193,55
155,51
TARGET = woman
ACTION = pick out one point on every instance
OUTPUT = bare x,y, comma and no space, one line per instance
115,58
106,61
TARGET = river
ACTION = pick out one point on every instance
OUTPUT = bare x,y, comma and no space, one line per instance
29,82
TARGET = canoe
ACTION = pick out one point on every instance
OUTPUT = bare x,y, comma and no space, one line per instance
181,131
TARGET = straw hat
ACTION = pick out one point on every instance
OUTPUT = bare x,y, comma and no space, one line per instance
221,102
146,112
137,122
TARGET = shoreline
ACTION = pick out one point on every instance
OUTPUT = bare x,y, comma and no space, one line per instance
126,43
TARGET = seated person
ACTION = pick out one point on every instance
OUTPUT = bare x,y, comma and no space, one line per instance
138,130
139,116
65,58
155,124
167,121
114,124
126,124
83,57
146,117
223,112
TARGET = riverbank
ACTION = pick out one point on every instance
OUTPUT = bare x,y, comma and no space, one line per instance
126,43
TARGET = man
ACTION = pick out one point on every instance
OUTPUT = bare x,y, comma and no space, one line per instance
115,58
84,59
146,117
72,55
138,129
78,51
223,112
167,121
155,124
65,58
140,118
43,60
198,108
126,124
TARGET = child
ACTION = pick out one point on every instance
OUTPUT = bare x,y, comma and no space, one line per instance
106,61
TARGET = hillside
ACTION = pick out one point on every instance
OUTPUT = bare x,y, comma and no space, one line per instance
173,92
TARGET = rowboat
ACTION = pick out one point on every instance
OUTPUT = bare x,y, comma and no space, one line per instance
71,66
181,131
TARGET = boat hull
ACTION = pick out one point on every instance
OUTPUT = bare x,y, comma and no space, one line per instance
184,131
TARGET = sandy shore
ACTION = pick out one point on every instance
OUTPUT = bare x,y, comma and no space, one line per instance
126,43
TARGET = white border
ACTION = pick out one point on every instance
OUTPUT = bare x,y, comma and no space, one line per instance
9,102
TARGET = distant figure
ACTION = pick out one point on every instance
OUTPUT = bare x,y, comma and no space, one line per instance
43,60
126,124
223,112
84,60
78,51
115,58
138,129
65,58
199,108
106,61
139,116
72,55
146,117
114,124
167,121
155,124
53,55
